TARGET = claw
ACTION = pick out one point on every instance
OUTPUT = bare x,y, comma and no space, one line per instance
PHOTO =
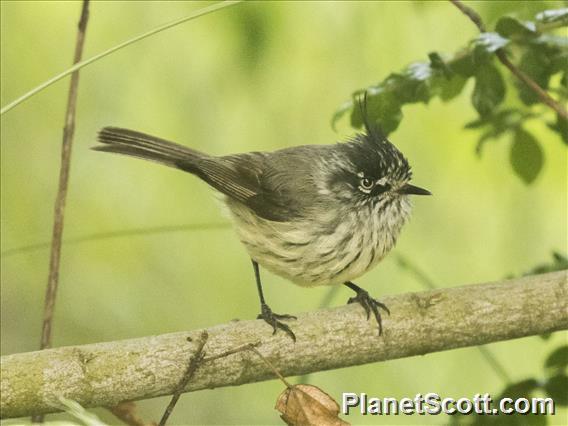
272,319
369,304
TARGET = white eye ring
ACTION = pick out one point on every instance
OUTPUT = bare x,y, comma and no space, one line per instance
366,184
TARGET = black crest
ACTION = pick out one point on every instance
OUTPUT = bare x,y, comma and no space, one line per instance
373,130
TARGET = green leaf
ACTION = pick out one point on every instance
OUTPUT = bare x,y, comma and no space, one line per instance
559,63
553,15
526,156
485,46
452,87
496,124
452,76
491,42
558,359
522,389
501,120
489,90
536,64
485,137
510,27
551,40
463,64
557,388
419,71
444,82
411,86
438,64
560,127
383,109
559,263
340,112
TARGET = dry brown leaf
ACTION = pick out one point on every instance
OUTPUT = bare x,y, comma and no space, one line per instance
126,411
307,405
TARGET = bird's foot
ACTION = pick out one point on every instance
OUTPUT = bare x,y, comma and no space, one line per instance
369,304
273,319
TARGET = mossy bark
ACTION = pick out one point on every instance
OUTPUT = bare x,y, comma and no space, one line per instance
105,374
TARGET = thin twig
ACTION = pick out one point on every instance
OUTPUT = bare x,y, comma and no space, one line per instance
502,56
420,275
494,363
201,12
238,349
68,131
540,92
471,14
117,234
271,366
193,364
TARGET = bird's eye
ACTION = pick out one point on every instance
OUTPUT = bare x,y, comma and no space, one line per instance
367,184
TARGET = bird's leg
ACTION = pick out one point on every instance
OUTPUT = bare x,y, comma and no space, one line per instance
266,313
368,303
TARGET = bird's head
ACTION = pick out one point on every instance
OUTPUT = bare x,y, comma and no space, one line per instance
373,170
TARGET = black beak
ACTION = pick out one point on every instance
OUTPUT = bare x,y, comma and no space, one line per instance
414,190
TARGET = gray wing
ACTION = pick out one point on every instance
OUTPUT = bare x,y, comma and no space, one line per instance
277,186
240,184
283,182
268,183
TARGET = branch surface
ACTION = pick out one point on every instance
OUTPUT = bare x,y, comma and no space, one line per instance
104,374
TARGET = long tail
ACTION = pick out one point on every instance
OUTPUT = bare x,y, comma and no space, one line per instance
141,145
218,172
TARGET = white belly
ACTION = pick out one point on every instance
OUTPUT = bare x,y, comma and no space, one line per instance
313,253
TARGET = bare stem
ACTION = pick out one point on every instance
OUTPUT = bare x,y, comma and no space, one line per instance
271,366
68,131
540,92
201,12
117,234
471,14
193,364
501,55
233,351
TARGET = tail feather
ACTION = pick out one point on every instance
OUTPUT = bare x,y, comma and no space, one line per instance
141,145
239,184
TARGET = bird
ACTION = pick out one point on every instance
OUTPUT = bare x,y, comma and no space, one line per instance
316,215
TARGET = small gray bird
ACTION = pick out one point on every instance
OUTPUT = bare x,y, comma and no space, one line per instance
314,214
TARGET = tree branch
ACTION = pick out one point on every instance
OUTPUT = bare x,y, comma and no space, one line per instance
544,97
105,374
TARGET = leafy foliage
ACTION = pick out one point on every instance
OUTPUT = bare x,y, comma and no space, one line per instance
559,263
553,385
542,56
526,155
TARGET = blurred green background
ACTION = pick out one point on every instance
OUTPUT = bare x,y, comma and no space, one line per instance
257,76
